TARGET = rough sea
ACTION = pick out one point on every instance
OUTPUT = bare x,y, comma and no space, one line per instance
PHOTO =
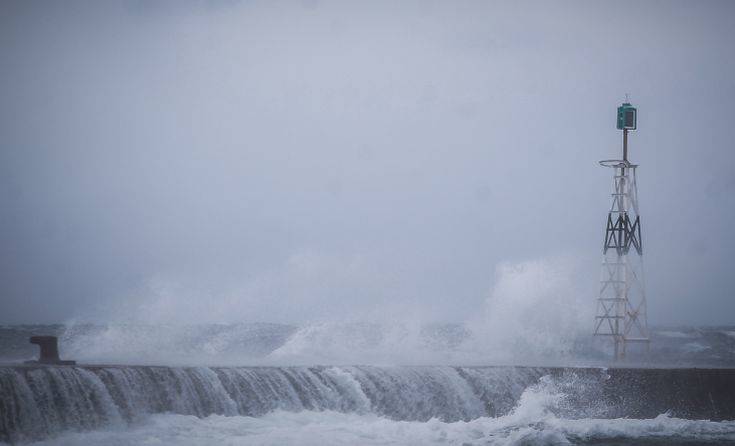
273,384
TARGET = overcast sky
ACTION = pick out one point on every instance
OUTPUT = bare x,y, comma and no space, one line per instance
265,161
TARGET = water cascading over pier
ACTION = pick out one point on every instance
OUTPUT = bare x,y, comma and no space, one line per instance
40,401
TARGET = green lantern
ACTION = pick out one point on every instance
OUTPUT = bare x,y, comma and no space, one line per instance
627,117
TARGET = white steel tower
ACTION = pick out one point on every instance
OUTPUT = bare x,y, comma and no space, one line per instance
621,305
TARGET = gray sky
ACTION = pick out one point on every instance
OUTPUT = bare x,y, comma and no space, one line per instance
265,161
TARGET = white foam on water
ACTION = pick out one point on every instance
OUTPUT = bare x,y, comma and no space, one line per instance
345,342
694,347
676,334
335,428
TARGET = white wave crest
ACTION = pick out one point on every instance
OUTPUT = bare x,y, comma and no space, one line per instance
335,428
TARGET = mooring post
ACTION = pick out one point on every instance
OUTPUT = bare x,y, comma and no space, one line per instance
49,354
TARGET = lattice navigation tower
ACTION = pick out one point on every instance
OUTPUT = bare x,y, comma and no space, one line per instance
621,305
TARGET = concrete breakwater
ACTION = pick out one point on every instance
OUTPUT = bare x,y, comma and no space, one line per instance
40,401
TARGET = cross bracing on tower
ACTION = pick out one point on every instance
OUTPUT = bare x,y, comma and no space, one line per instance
621,304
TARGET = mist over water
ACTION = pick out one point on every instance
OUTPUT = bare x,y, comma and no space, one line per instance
537,309
535,313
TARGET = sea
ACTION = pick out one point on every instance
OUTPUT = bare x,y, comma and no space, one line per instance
361,384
